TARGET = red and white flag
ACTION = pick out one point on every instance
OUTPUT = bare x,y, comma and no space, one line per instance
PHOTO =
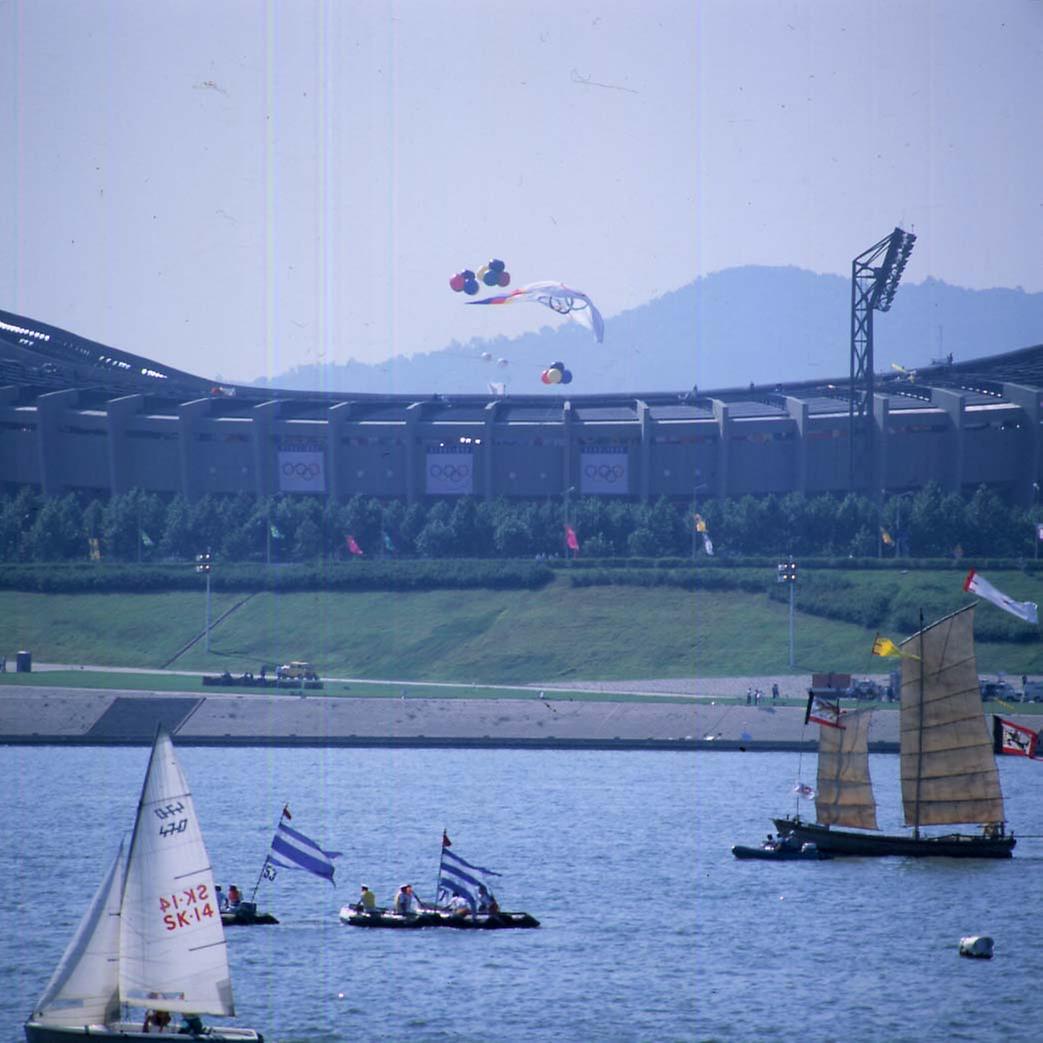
823,711
975,584
570,539
353,546
1013,739
802,789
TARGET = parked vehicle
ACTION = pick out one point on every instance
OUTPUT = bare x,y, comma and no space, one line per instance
297,670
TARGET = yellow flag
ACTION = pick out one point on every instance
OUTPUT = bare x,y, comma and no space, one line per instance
886,537
700,525
885,646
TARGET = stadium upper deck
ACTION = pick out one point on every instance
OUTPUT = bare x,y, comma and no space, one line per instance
75,414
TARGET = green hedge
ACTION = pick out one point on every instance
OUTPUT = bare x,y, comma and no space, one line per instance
452,574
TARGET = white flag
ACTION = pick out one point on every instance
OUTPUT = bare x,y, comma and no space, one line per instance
707,544
975,584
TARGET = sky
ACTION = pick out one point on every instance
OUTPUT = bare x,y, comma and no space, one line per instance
235,187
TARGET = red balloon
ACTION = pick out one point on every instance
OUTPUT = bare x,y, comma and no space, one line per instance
456,283
504,279
545,376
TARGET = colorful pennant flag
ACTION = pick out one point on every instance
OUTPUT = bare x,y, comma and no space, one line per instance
803,790
1013,739
822,711
570,539
1026,610
353,546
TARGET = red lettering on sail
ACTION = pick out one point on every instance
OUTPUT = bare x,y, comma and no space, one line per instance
169,921
182,920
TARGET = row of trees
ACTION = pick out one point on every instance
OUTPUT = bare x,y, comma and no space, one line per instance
138,526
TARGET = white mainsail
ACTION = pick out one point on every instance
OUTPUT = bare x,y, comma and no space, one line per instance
949,773
844,793
172,943
84,987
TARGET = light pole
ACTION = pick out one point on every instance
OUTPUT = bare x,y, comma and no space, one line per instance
1036,527
203,564
787,571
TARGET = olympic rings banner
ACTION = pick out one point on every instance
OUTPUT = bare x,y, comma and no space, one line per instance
450,473
302,472
604,473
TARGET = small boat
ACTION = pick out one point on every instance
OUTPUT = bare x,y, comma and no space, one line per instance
436,918
465,902
784,850
245,914
152,936
948,763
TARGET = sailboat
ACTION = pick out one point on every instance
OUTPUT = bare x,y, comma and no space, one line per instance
151,937
948,767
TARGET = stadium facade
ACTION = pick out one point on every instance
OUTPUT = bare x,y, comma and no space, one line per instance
76,415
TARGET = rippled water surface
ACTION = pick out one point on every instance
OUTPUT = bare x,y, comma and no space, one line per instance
651,930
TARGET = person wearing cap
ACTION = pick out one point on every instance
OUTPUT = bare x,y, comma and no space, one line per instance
367,900
407,903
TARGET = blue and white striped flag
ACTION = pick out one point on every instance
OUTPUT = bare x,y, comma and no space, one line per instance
457,876
293,850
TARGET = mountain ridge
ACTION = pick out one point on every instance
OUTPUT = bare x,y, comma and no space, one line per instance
754,323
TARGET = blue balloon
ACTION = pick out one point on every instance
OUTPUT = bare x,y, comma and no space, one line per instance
557,365
497,266
467,273
471,287
491,278
566,376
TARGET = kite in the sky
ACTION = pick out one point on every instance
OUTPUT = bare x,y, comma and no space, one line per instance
558,297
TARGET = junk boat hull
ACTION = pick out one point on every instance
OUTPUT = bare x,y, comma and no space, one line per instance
499,921
879,845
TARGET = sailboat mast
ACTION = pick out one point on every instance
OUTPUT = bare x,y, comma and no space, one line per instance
919,743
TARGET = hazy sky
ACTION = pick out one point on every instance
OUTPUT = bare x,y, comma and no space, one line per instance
235,188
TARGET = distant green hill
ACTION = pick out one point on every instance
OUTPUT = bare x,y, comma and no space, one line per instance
556,633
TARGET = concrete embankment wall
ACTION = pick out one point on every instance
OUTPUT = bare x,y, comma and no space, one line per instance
110,717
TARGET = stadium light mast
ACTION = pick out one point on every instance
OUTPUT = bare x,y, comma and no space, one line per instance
875,275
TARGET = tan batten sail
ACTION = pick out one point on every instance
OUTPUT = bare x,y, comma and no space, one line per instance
844,796
949,773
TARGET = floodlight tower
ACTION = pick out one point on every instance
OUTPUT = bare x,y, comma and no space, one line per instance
875,275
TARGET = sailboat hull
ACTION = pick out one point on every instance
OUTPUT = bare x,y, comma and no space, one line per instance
35,1032
880,845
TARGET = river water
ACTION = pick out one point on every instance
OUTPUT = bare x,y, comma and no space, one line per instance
651,931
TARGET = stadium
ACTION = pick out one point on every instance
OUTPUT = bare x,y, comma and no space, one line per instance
79,416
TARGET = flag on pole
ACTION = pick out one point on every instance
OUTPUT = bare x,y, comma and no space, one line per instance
885,646
707,544
822,711
95,547
570,539
700,525
388,545
353,546
274,530
457,876
146,540
293,850
1013,739
886,537
802,789
975,584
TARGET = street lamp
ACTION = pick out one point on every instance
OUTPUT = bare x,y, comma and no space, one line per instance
203,564
787,573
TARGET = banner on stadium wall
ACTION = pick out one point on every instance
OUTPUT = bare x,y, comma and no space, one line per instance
450,473
302,471
604,472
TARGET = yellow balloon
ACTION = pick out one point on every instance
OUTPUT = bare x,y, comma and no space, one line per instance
481,272
554,376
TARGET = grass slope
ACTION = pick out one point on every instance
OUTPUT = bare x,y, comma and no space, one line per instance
496,637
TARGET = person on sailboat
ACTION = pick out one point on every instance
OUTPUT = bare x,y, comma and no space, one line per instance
222,899
159,1018
367,900
234,897
406,903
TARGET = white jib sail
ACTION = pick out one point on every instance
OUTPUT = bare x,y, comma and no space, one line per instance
84,987
172,944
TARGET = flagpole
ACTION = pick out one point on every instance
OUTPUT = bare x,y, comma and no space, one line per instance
260,876
441,859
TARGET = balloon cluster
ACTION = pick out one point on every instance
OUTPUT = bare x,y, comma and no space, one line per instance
556,373
492,274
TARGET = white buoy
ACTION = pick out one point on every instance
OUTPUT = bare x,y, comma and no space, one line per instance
978,946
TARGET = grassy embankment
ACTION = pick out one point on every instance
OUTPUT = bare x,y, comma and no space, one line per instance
558,633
